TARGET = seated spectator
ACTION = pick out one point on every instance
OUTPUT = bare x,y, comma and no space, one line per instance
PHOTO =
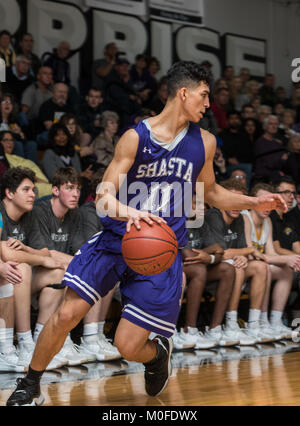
159,100
245,76
248,111
221,83
140,78
24,246
61,152
119,93
202,264
294,213
228,73
220,169
57,61
208,122
281,97
285,231
267,92
102,67
258,231
270,153
7,142
227,226
18,77
80,140
263,112
237,149
295,102
90,112
6,52
287,125
240,175
256,103
251,91
25,47
9,121
36,94
153,68
105,142
219,107
51,112
278,110
236,96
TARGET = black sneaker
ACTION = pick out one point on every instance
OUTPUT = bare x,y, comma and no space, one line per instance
26,394
157,372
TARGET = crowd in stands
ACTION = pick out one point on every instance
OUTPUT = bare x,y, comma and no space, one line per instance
55,143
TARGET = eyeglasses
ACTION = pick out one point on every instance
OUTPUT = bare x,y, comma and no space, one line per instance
6,102
7,140
239,177
287,192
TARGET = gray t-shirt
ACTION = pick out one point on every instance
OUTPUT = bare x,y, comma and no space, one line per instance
34,97
228,236
25,230
60,235
200,238
89,222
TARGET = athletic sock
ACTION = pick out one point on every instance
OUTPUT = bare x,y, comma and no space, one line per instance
275,317
253,317
90,332
6,339
101,325
25,337
33,376
231,316
37,330
263,317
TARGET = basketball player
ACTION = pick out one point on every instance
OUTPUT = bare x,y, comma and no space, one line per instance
166,148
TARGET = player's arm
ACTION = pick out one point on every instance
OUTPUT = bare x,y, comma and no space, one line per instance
217,196
116,172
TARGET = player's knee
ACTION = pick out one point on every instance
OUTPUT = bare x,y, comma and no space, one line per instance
261,268
127,348
66,317
227,271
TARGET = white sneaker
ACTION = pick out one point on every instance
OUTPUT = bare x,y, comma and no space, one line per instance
284,331
107,351
25,353
254,331
72,354
221,337
91,348
9,361
266,327
234,331
57,361
202,342
184,340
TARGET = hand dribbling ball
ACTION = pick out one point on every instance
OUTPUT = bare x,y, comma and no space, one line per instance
151,249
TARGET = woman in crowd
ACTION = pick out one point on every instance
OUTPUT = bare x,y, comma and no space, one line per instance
105,142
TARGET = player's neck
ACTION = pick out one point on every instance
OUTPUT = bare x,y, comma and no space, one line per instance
171,120
58,209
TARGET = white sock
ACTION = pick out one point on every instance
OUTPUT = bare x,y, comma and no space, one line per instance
25,337
264,317
90,331
101,327
275,317
6,339
231,316
253,316
37,330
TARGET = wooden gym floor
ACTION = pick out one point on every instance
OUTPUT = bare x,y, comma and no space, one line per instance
262,375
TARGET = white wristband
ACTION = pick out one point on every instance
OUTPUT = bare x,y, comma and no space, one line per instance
213,258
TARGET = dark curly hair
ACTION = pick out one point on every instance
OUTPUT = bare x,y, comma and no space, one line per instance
12,179
68,149
186,73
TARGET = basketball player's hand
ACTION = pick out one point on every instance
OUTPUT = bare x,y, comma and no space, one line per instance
240,262
199,257
270,202
136,216
50,263
14,244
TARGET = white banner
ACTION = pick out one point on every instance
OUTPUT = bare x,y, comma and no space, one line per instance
182,11
133,7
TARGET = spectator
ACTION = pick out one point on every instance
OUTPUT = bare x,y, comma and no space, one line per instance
263,112
9,122
295,102
287,126
281,97
270,153
267,92
139,74
256,103
248,111
245,76
51,112
25,47
42,184
105,142
23,243
240,175
57,61
278,110
18,77
119,93
228,73
202,264
285,234
160,99
292,166
37,93
258,231
236,96
221,83
294,213
251,92
90,112
220,168
61,151
227,226
153,68
219,107
103,67
6,52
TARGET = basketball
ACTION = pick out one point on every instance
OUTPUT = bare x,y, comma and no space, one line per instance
151,249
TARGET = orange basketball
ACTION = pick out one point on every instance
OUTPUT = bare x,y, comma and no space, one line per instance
151,249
